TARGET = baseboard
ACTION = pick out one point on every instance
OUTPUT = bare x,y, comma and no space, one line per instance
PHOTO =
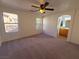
20,38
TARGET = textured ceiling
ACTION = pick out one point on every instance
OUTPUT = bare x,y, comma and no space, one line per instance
58,5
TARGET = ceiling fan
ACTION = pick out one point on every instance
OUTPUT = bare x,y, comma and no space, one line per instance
43,6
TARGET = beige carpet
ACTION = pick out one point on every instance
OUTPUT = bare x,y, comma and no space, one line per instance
39,47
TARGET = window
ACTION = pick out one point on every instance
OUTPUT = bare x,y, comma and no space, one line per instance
10,22
38,23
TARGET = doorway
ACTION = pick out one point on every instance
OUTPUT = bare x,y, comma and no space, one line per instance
63,26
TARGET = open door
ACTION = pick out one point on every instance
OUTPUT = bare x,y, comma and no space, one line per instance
63,26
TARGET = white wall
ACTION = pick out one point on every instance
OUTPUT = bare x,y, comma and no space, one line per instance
50,25
0,29
75,29
27,26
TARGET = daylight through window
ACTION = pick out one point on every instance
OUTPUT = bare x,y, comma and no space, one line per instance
10,22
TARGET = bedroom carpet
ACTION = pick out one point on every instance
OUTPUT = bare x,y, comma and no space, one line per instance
39,47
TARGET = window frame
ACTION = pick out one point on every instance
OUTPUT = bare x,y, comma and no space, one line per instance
9,23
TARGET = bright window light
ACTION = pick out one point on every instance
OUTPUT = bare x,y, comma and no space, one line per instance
38,23
10,22
67,17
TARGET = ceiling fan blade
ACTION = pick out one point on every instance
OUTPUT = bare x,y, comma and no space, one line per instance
50,9
35,6
46,4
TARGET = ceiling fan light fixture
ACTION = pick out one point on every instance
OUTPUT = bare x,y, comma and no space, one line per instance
42,1
43,6
42,10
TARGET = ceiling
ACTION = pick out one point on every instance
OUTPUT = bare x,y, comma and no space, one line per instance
25,5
